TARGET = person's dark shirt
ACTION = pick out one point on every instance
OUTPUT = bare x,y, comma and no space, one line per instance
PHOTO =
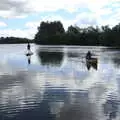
88,55
28,46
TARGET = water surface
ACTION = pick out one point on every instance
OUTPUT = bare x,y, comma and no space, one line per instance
55,83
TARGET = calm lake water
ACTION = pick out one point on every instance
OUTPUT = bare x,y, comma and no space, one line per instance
56,83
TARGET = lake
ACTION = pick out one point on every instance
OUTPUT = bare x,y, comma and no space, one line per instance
56,83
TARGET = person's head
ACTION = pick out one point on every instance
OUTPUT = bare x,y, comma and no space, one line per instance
89,52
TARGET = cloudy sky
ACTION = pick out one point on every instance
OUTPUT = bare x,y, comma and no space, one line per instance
20,18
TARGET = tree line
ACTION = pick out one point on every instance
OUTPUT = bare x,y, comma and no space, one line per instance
53,33
14,40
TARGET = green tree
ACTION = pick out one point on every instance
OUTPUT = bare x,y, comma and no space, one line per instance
48,31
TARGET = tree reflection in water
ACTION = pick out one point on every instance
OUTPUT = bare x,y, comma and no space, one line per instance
50,58
111,109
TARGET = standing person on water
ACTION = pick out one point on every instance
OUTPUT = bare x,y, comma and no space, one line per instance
28,46
88,55
29,52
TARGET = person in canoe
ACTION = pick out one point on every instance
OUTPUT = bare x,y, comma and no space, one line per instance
88,55
91,61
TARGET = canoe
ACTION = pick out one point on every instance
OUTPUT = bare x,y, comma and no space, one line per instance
92,60
92,63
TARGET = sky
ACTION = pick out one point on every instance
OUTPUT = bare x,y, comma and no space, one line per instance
21,18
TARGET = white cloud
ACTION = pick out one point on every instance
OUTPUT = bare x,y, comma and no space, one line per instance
11,14
2,24
22,33
5,14
93,5
32,24
81,20
22,8
13,8
31,28
35,24
84,20
53,5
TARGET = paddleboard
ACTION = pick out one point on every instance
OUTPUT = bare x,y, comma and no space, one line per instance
29,53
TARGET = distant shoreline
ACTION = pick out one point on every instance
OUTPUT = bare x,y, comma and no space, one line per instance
64,45
17,43
15,40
